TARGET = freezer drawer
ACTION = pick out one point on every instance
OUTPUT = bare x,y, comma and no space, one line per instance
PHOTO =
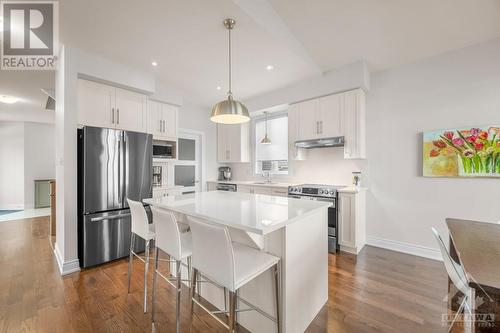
106,237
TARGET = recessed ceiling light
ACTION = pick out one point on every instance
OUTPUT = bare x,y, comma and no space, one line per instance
154,63
269,67
8,99
218,88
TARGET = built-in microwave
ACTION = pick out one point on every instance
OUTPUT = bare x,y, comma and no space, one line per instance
163,149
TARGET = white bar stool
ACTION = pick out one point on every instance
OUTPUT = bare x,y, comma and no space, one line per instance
146,231
229,265
177,245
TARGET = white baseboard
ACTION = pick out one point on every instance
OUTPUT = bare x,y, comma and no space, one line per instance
67,267
407,248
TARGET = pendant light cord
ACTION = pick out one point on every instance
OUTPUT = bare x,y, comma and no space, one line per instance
230,74
267,117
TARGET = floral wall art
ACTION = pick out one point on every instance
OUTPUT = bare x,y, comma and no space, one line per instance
465,152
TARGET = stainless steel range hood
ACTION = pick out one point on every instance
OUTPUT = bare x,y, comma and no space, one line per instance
321,143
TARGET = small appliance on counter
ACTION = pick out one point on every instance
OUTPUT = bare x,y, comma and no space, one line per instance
157,175
225,173
327,193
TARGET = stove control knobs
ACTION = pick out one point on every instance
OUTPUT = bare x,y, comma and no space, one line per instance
332,192
322,191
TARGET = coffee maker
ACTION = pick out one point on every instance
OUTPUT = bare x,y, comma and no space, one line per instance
225,173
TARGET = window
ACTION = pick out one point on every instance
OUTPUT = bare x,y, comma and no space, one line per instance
272,157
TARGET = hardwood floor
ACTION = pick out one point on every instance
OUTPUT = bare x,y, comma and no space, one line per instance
377,291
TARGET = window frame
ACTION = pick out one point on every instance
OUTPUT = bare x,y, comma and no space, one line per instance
254,121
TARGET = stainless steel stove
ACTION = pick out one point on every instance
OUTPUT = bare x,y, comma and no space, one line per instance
326,193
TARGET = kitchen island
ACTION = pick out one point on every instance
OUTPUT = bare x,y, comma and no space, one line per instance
292,229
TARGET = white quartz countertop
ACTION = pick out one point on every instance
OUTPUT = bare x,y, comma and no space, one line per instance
254,183
257,213
352,189
168,187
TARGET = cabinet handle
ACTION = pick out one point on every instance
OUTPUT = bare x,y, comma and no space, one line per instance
317,127
112,115
164,126
321,127
118,116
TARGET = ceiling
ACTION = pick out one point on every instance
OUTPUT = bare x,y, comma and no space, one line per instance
300,39
387,33
26,86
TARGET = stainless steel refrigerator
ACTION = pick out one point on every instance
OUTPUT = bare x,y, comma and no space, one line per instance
113,165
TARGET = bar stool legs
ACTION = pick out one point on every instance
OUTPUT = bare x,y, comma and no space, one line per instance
146,269
192,292
178,296
130,259
154,286
232,311
276,273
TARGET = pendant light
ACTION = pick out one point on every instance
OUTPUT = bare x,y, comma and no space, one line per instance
266,140
229,111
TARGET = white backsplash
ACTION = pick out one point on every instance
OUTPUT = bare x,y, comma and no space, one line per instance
322,166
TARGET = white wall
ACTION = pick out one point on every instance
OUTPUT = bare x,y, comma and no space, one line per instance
11,165
456,89
26,153
39,157
197,118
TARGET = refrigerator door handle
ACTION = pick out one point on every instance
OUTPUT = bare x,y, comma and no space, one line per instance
113,217
120,180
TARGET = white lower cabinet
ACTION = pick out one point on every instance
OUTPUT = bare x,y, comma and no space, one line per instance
158,193
211,186
352,221
280,192
262,190
254,189
267,190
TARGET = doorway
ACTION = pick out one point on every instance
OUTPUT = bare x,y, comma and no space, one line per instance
188,169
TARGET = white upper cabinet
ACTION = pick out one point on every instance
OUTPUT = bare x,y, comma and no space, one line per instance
355,124
162,120
96,104
308,128
329,117
233,143
334,115
101,105
320,118
130,111
294,153
170,116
